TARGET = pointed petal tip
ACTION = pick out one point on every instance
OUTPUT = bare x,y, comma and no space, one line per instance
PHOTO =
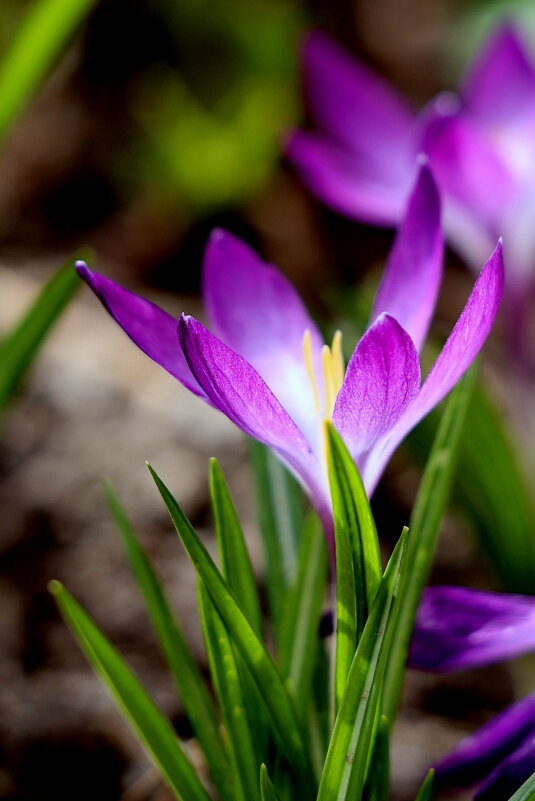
83,270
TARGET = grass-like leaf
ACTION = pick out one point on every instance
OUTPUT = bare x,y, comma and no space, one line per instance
286,725
43,33
424,527
300,622
197,702
19,347
267,791
492,491
280,516
226,676
353,736
526,792
235,561
238,571
153,729
358,561
426,791
378,781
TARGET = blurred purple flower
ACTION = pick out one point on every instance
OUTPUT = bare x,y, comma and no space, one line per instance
499,756
361,157
266,366
459,628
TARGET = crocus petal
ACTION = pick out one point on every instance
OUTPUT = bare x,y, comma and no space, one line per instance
460,350
410,284
354,105
510,774
458,628
478,754
465,165
255,310
352,183
500,85
237,390
151,328
382,379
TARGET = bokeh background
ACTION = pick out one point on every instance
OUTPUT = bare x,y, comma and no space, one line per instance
160,120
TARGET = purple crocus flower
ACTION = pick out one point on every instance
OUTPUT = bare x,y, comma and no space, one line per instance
459,628
360,158
499,756
266,367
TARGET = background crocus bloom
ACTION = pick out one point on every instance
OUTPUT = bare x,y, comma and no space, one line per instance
499,756
361,157
266,367
459,628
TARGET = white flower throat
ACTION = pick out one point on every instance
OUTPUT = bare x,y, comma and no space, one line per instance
333,371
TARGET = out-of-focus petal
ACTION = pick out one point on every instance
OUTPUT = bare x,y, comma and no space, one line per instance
460,350
500,85
410,284
382,379
510,774
458,628
353,104
478,754
237,390
357,185
465,165
151,328
255,310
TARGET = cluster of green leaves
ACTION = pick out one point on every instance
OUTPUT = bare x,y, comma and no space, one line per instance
308,717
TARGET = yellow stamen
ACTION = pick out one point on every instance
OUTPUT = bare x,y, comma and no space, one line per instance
309,364
338,360
328,379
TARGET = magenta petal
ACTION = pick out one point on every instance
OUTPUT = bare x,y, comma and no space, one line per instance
255,310
459,628
151,328
464,343
466,166
478,754
352,183
382,379
500,86
237,390
354,105
510,774
410,284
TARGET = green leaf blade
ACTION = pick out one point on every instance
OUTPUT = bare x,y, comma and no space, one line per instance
153,729
424,526
353,737
19,347
226,675
188,679
236,564
358,562
286,725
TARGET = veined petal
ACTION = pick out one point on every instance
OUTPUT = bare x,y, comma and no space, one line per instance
458,628
381,381
510,774
151,328
500,85
465,164
237,390
460,350
355,184
255,310
410,284
353,104
478,754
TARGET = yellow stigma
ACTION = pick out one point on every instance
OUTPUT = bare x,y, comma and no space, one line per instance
332,364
